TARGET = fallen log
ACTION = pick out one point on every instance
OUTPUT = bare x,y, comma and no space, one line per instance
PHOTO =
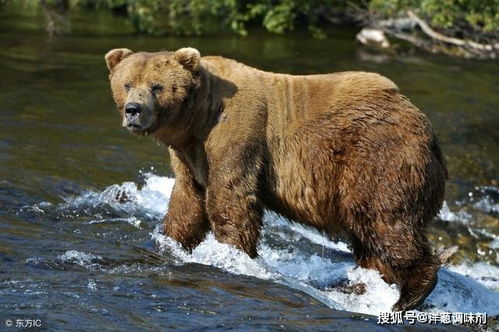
450,40
404,29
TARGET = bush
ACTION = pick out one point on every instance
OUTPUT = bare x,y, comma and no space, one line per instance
196,17
480,15
199,16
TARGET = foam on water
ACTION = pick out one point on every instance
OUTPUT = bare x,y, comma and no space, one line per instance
448,215
458,293
78,257
487,200
270,218
131,220
92,285
150,198
463,288
483,198
484,273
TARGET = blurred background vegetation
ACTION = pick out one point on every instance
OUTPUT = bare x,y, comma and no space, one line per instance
472,19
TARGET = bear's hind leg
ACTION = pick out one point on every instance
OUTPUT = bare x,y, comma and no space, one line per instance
415,282
405,261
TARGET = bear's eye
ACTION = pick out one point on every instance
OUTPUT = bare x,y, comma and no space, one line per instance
128,86
155,88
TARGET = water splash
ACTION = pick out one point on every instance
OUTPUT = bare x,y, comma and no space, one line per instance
288,255
447,215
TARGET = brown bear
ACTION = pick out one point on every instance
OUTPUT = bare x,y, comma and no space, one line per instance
344,152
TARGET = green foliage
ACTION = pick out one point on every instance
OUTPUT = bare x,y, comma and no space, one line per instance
200,16
195,17
481,15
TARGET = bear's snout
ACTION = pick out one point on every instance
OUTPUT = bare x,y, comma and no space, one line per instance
132,111
138,117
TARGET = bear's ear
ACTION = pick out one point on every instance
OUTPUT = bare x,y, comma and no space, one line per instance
188,57
114,57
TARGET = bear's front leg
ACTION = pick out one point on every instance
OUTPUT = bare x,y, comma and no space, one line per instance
186,220
233,206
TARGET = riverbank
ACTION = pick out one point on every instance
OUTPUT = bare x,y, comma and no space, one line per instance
468,29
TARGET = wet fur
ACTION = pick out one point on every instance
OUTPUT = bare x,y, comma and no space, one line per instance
345,153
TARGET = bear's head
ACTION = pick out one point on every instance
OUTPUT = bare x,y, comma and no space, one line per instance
152,89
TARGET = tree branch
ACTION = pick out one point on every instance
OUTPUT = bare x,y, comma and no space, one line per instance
450,40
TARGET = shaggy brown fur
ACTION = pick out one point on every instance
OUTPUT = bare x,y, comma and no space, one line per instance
343,152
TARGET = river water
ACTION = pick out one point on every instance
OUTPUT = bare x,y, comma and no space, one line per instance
73,255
